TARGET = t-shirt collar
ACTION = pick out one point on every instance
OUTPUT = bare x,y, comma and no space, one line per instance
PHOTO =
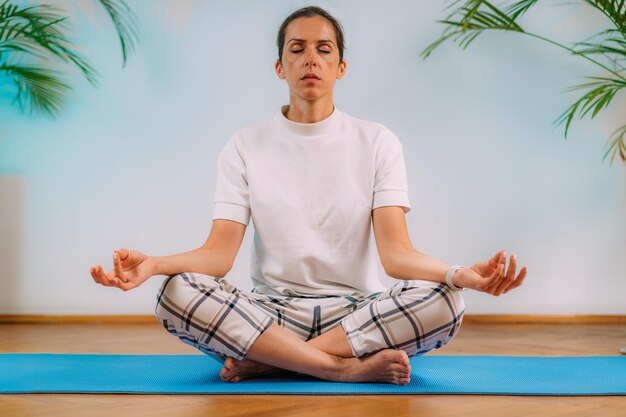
322,127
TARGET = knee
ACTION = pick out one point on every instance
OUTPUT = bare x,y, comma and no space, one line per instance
441,312
456,300
439,295
450,314
177,292
452,304
167,296
438,304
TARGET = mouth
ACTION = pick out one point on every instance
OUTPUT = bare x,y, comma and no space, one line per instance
310,77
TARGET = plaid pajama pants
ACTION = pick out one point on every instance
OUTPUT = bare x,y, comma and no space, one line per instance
220,320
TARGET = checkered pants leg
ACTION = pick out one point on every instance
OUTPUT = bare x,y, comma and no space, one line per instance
209,314
212,315
413,315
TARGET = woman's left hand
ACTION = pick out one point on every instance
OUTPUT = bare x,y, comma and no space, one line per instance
489,276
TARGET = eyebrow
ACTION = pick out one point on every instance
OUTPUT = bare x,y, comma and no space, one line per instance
320,41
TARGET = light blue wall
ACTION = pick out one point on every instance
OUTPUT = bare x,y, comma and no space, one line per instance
132,163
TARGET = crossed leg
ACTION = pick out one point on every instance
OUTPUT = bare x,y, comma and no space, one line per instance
411,317
278,350
440,312
333,342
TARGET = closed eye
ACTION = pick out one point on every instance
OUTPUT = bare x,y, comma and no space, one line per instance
325,52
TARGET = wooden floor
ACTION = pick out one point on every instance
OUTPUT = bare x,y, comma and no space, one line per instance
472,339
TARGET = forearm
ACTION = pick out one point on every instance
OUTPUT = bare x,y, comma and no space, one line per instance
412,264
203,261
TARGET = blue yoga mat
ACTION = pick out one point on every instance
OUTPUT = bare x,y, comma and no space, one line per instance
198,374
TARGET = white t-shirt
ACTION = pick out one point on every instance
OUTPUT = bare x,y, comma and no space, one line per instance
309,189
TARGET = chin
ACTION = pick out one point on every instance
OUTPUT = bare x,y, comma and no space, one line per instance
313,93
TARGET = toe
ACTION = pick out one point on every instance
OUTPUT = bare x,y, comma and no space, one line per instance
404,374
225,373
403,379
229,362
398,368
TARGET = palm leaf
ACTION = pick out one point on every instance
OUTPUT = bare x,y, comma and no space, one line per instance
595,99
609,44
39,87
599,48
517,9
125,24
614,10
617,144
615,55
472,18
40,31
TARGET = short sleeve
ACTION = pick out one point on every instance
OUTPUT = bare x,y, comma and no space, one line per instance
390,182
232,197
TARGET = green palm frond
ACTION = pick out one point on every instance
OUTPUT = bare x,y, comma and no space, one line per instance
40,30
614,10
38,88
606,49
518,8
33,38
617,144
613,54
476,16
595,99
33,34
125,23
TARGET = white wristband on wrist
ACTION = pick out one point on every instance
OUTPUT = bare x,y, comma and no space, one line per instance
449,276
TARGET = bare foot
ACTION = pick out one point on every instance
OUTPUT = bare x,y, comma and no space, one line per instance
235,370
388,365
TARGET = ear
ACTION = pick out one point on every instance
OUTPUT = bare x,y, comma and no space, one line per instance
341,70
279,70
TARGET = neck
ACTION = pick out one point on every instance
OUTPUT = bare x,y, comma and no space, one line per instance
329,125
303,111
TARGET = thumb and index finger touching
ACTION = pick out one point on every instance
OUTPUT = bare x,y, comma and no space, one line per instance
497,258
118,255
123,253
496,263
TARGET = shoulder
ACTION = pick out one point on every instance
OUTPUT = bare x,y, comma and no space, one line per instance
382,142
379,133
246,137
251,131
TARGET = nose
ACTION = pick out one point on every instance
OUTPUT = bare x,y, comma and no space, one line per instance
311,58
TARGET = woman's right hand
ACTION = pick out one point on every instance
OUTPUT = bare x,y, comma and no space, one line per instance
130,269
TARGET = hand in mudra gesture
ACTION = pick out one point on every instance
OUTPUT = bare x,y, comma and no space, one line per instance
489,276
130,269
